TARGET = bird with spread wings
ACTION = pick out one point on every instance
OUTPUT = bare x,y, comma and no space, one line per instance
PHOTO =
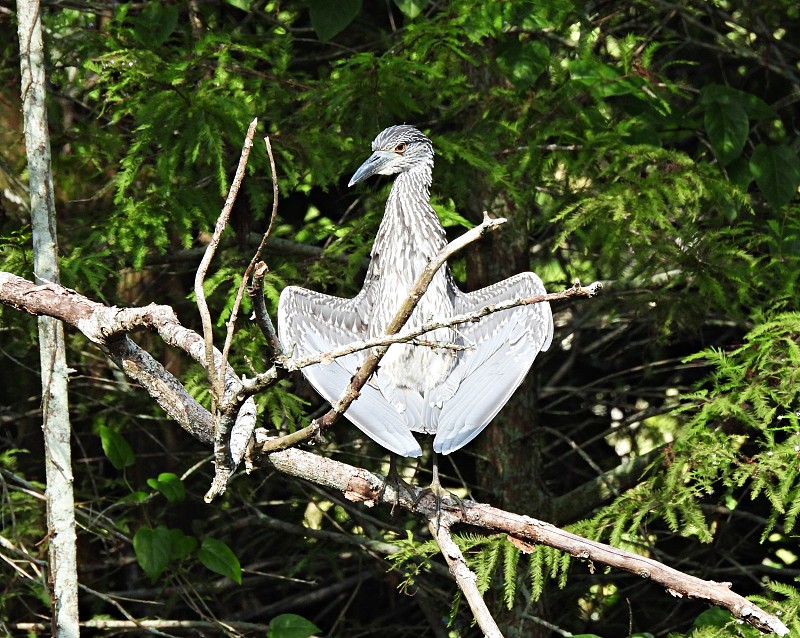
449,392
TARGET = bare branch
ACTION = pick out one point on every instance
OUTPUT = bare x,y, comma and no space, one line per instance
408,335
262,318
222,221
464,577
360,485
103,326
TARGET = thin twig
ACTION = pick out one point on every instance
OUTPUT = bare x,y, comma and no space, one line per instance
262,318
408,335
256,256
216,380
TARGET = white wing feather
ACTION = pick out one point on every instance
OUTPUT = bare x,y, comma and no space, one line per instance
505,345
310,322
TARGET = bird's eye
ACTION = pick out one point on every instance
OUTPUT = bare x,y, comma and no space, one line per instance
400,148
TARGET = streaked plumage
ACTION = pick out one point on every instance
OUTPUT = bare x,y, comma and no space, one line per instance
452,394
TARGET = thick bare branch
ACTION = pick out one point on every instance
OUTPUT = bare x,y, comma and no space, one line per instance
360,485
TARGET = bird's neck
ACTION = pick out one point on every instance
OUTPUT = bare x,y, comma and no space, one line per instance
409,220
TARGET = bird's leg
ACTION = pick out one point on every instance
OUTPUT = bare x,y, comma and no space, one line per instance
394,479
440,494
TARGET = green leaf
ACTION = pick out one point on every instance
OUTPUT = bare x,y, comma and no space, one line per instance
219,558
754,106
291,626
777,172
155,24
411,8
330,18
727,126
523,62
153,548
169,485
714,617
116,448
157,547
181,545
600,79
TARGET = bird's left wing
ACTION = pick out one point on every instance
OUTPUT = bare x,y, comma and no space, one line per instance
310,322
503,347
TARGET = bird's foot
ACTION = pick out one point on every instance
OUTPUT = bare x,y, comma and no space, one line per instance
442,498
397,482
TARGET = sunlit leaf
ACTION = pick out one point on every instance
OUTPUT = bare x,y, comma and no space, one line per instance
219,558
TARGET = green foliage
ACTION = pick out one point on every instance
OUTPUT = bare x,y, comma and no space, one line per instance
291,626
157,547
219,558
116,448
169,485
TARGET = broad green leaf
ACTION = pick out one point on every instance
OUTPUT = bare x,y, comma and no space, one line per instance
523,62
244,5
291,626
169,485
181,545
727,126
155,24
411,8
714,617
153,548
754,106
330,18
157,547
777,172
219,558
116,448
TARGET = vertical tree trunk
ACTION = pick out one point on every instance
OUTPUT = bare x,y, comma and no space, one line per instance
511,470
55,407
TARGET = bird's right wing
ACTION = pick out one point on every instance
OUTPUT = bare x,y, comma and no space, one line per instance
504,345
309,323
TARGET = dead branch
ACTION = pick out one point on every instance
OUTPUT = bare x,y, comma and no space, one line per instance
464,577
577,290
216,379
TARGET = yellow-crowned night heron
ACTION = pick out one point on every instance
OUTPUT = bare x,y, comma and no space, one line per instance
451,393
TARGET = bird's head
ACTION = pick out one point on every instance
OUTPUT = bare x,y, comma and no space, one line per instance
397,149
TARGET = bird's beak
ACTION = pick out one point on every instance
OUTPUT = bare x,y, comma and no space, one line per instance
374,164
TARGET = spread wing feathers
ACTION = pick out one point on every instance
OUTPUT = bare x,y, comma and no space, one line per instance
310,322
505,345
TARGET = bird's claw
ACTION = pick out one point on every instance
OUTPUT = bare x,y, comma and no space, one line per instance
442,497
394,479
